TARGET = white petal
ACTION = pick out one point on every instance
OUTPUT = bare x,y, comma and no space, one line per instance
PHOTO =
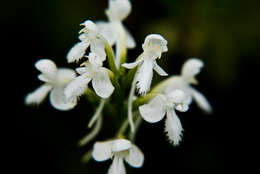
102,151
135,157
120,145
159,70
155,110
107,31
118,9
76,87
38,95
191,68
47,78
144,76
97,46
102,84
117,166
77,51
58,100
130,41
133,64
173,127
46,66
81,70
65,75
83,37
201,100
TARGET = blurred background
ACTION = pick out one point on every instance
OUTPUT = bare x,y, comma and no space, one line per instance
223,33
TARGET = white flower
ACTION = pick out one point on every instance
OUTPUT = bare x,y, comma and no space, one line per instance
94,71
154,45
189,70
55,82
88,37
119,150
117,11
160,105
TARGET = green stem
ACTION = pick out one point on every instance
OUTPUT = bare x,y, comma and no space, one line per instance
87,156
130,105
110,55
138,122
91,96
87,138
143,99
122,128
97,113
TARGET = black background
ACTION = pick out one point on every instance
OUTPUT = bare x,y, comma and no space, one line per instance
44,140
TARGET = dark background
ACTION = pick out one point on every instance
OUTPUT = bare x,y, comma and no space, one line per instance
223,33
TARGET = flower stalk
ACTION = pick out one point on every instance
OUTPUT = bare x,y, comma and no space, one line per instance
87,138
97,113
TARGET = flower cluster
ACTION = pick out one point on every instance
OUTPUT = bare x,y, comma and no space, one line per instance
120,84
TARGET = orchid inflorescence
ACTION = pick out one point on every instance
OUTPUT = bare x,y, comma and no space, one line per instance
110,85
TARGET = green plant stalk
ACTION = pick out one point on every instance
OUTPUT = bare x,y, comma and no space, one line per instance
110,56
90,136
91,96
97,113
130,105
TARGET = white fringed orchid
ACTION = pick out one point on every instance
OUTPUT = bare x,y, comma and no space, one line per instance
55,81
153,46
114,31
119,150
88,38
93,71
160,105
117,11
188,72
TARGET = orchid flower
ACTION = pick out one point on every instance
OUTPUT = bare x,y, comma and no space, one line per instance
188,72
154,45
119,150
160,105
55,81
93,71
89,37
114,31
